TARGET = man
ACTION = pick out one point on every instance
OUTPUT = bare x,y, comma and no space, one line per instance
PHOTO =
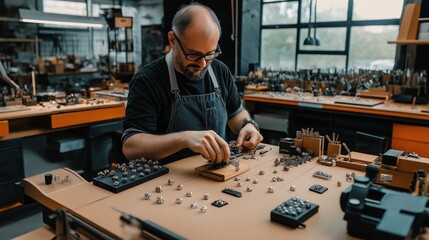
180,105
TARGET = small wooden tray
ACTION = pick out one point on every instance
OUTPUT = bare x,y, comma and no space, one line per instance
221,174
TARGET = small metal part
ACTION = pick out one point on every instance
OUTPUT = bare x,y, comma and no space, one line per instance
275,171
189,194
179,187
171,182
318,188
270,189
147,195
219,203
116,183
179,200
292,188
255,181
285,168
206,196
158,189
261,172
159,200
322,175
232,192
124,180
239,184
194,205
248,179
203,209
249,189
236,179
48,178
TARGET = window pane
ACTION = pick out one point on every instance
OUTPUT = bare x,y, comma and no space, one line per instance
327,10
377,9
307,61
369,48
280,13
278,48
329,38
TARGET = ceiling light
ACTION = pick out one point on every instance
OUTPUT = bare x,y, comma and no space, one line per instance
33,16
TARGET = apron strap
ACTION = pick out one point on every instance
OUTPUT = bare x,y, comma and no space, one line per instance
214,80
172,76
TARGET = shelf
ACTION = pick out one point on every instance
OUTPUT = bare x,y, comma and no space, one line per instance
410,42
19,40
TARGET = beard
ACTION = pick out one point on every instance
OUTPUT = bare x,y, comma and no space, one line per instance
189,74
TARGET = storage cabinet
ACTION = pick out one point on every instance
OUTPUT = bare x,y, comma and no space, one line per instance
411,139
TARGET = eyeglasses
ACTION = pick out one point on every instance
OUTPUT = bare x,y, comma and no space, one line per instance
198,56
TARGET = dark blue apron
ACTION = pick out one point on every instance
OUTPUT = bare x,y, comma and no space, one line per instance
195,112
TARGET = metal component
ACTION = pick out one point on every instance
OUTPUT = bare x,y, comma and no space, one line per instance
179,187
158,189
159,200
206,196
147,195
255,181
194,205
292,188
179,200
270,189
239,184
171,182
261,172
189,194
203,209
249,189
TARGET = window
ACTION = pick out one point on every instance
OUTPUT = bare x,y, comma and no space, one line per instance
352,33
278,48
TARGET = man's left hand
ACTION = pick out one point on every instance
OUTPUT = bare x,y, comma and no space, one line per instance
249,137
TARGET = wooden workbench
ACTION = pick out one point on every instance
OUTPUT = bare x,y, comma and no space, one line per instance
39,119
247,217
406,126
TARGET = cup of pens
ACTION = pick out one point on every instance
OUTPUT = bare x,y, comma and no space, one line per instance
334,146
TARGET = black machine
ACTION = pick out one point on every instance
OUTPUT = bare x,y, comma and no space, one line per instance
375,212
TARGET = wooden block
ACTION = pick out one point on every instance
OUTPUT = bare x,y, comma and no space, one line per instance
333,150
297,142
358,161
221,174
399,179
410,165
314,144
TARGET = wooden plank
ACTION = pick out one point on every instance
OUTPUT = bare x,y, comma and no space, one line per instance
410,22
4,128
88,116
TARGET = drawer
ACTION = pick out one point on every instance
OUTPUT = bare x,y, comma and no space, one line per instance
89,116
412,133
4,128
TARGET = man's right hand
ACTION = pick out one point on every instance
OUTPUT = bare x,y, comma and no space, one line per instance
209,144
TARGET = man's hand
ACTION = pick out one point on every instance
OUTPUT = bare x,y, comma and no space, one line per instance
209,144
249,137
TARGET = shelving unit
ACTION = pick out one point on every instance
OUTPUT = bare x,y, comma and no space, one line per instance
121,44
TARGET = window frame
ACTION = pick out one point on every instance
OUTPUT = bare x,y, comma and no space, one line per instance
348,24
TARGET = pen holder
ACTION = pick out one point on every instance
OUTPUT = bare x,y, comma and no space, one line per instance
314,144
334,150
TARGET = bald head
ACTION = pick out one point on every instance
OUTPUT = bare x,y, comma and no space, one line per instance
196,18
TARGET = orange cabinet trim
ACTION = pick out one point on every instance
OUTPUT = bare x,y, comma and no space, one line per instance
4,128
89,116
